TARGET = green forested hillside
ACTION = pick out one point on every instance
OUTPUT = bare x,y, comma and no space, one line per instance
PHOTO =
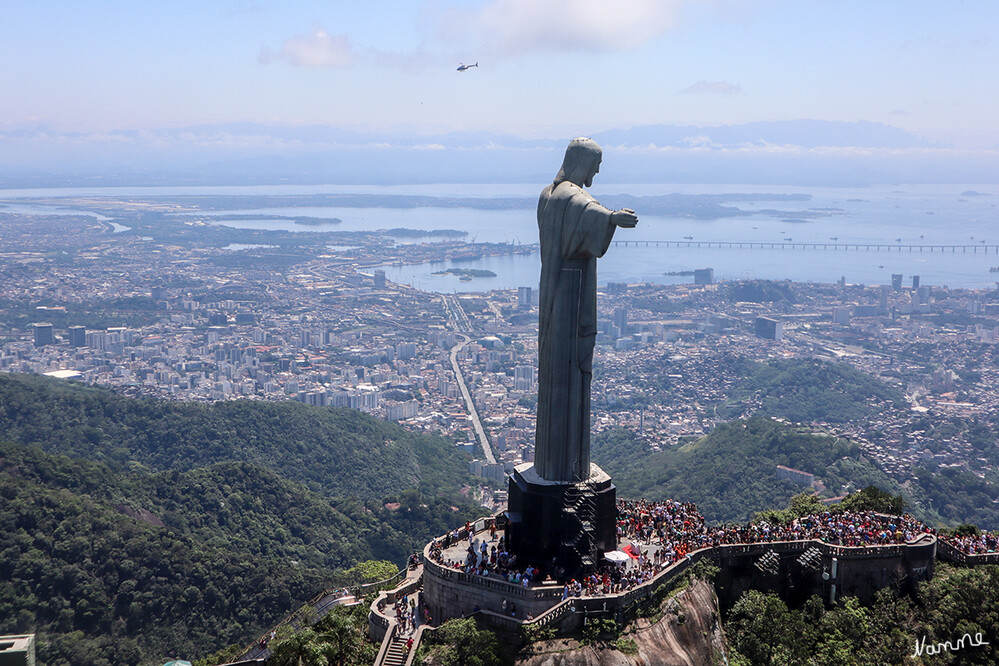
732,472
959,495
809,390
333,450
100,587
173,528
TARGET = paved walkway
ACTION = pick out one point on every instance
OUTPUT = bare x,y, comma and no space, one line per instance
321,608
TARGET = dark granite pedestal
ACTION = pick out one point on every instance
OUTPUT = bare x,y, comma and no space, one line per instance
570,525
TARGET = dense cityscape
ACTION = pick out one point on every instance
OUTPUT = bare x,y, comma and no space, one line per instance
321,324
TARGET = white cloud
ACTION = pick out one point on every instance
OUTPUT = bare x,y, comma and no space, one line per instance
521,26
316,48
719,87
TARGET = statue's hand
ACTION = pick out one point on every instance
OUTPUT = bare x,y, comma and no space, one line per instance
624,218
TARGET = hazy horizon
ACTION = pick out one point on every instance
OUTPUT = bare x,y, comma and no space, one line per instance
768,91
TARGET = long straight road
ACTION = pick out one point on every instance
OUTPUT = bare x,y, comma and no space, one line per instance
461,323
487,450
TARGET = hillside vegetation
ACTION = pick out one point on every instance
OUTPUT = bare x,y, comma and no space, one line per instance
133,530
810,391
732,472
340,451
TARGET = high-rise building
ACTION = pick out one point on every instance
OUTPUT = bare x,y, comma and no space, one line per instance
768,328
402,410
43,334
523,298
97,340
915,282
380,278
619,288
77,336
621,320
896,281
523,378
704,276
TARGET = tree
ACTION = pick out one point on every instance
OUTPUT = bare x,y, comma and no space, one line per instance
873,498
461,643
372,571
764,631
302,649
340,637
805,504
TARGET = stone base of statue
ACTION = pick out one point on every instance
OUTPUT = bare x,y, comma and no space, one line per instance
562,528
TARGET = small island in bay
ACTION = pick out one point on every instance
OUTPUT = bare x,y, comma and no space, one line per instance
316,221
467,273
258,217
403,232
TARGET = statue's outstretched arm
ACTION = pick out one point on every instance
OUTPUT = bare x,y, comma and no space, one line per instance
624,218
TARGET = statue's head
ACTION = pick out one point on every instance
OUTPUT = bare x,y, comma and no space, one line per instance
581,163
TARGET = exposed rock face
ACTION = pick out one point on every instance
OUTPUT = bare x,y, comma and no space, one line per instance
139,514
696,641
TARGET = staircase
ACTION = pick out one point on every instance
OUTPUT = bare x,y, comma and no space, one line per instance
580,511
397,652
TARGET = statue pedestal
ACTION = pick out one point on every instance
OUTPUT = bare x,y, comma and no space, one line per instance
570,524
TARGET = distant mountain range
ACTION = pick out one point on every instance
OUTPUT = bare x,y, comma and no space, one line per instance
799,152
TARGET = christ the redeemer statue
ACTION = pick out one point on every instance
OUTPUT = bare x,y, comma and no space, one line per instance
575,230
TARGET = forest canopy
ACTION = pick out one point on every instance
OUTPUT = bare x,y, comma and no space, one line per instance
133,530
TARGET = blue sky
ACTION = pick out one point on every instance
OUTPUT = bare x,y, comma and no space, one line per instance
546,68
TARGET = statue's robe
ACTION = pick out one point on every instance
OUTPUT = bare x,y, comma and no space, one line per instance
575,230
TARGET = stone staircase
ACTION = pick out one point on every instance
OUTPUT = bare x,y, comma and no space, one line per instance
397,652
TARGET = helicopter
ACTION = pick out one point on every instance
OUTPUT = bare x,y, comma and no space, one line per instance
463,67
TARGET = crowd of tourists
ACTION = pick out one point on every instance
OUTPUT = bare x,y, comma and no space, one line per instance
484,555
660,533
985,543
405,610
678,528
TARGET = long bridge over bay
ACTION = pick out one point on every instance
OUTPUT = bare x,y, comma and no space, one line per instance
863,246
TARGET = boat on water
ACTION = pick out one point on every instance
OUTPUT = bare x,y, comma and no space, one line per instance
994,269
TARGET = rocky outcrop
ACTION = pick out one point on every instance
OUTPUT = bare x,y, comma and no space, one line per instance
689,633
144,515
